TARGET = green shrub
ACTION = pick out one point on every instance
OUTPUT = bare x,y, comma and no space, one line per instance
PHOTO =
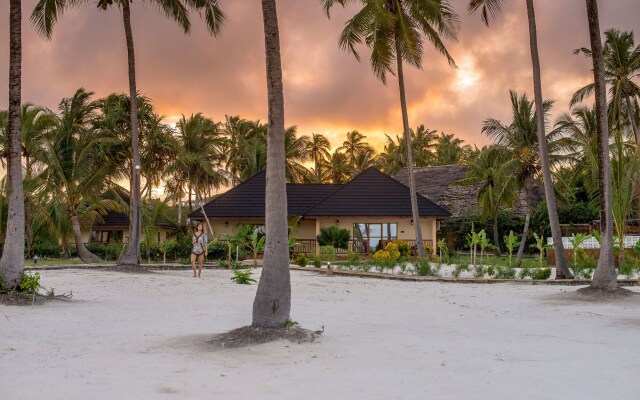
505,273
402,246
479,271
217,250
317,262
525,272
423,267
627,268
584,266
242,277
541,273
491,271
47,249
393,251
334,237
458,269
301,261
353,258
111,250
30,283
223,263
327,253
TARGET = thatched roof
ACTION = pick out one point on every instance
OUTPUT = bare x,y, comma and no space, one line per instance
438,184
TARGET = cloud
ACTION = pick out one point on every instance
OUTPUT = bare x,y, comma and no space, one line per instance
326,89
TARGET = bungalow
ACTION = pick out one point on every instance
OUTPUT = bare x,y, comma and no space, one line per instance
373,206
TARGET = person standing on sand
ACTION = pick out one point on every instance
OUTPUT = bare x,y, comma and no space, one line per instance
199,249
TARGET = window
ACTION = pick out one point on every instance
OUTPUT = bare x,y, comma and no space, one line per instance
372,234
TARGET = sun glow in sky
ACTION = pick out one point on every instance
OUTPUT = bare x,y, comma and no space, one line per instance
326,90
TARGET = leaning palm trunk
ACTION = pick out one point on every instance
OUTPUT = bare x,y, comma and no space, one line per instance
84,254
604,277
12,261
562,271
131,257
272,303
407,138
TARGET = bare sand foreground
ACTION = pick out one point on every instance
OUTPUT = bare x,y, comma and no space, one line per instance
144,337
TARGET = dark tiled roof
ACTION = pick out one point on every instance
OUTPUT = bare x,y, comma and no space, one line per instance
247,199
373,193
113,220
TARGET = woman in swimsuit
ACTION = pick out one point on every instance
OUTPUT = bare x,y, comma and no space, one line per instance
199,249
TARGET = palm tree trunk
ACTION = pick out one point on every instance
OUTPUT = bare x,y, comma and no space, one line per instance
12,261
561,265
407,138
604,277
84,254
131,256
272,303
496,235
523,240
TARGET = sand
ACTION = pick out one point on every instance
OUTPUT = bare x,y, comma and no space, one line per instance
130,336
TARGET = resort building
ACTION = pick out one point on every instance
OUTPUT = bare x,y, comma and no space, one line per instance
373,206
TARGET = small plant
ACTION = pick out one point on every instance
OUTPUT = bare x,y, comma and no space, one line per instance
483,242
505,273
167,247
541,274
428,250
328,254
511,241
317,262
291,323
458,269
540,246
423,267
479,271
443,250
393,251
473,239
525,272
576,241
223,264
353,258
242,276
302,261
256,245
491,271
381,256
403,247
30,284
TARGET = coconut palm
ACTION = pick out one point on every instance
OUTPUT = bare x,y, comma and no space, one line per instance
494,169
394,156
77,168
12,261
604,277
520,140
354,145
449,150
199,156
295,155
339,170
489,9
44,17
395,31
272,304
246,148
622,67
318,148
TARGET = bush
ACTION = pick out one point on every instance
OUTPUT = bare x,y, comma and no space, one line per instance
217,250
381,256
505,273
479,271
47,249
491,271
223,264
584,267
334,237
302,261
627,268
541,273
109,251
423,268
353,258
317,262
525,272
242,277
327,253
402,246
428,249
30,283
458,269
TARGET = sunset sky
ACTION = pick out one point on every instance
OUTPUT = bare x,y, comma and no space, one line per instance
326,90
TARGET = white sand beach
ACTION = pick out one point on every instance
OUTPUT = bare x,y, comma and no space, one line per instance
129,336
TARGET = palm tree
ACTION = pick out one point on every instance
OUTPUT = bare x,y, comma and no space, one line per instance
520,139
296,154
395,30
199,156
490,8
604,277
622,66
449,150
77,167
394,156
45,15
318,148
272,304
246,148
339,170
12,261
495,171
353,146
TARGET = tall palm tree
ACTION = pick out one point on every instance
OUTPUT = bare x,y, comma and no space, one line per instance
296,154
246,148
353,146
395,31
449,149
520,140
340,170
394,156
12,261
45,15
77,167
495,171
489,9
272,304
604,277
622,67
318,148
